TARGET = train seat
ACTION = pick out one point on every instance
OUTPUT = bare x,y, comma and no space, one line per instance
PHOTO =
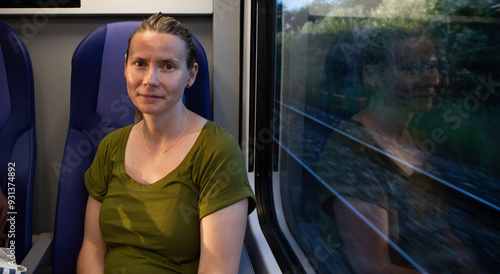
99,105
17,137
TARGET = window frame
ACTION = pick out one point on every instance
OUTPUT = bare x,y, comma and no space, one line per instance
262,81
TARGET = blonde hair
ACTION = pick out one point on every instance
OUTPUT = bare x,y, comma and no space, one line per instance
166,24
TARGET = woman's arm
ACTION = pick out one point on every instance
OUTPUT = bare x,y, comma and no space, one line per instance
368,252
222,234
466,263
94,249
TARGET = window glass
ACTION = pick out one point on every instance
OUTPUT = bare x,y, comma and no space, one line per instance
389,116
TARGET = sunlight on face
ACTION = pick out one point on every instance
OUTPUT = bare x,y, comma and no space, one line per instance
156,71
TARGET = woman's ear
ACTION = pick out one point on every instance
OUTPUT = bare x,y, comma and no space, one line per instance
192,75
369,75
125,68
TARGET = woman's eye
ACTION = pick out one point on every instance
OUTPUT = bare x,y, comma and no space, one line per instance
139,64
419,67
168,67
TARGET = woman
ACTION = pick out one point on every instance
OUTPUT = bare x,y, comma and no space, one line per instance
169,193
388,216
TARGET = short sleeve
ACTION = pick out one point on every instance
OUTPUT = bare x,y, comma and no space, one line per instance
350,169
98,174
222,178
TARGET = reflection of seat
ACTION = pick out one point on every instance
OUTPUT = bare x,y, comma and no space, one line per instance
100,104
17,136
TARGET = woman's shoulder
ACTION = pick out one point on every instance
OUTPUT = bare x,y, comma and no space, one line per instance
216,135
116,136
351,133
118,133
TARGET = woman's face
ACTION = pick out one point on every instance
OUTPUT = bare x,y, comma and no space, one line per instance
156,71
409,82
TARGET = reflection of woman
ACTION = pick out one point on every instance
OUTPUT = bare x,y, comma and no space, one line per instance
169,193
373,164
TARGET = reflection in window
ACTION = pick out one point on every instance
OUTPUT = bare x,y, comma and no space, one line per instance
388,128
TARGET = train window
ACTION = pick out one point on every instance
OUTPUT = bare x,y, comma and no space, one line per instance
385,119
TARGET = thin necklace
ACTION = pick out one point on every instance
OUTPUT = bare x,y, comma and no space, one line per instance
182,133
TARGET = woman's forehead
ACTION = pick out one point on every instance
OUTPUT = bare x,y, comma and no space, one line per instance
158,42
415,48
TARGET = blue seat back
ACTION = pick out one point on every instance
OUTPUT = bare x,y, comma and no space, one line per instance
17,136
99,105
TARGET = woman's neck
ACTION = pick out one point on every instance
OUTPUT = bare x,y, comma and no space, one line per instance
162,129
390,122
389,130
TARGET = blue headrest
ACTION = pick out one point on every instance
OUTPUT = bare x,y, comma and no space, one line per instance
112,82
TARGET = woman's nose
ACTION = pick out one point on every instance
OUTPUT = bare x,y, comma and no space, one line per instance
151,77
429,76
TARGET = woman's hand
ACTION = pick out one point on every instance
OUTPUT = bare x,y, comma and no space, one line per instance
94,250
222,234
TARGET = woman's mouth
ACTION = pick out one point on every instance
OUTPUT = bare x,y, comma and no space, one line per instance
150,97
419,96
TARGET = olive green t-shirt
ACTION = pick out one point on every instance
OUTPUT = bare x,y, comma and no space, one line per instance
354,165
156,228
